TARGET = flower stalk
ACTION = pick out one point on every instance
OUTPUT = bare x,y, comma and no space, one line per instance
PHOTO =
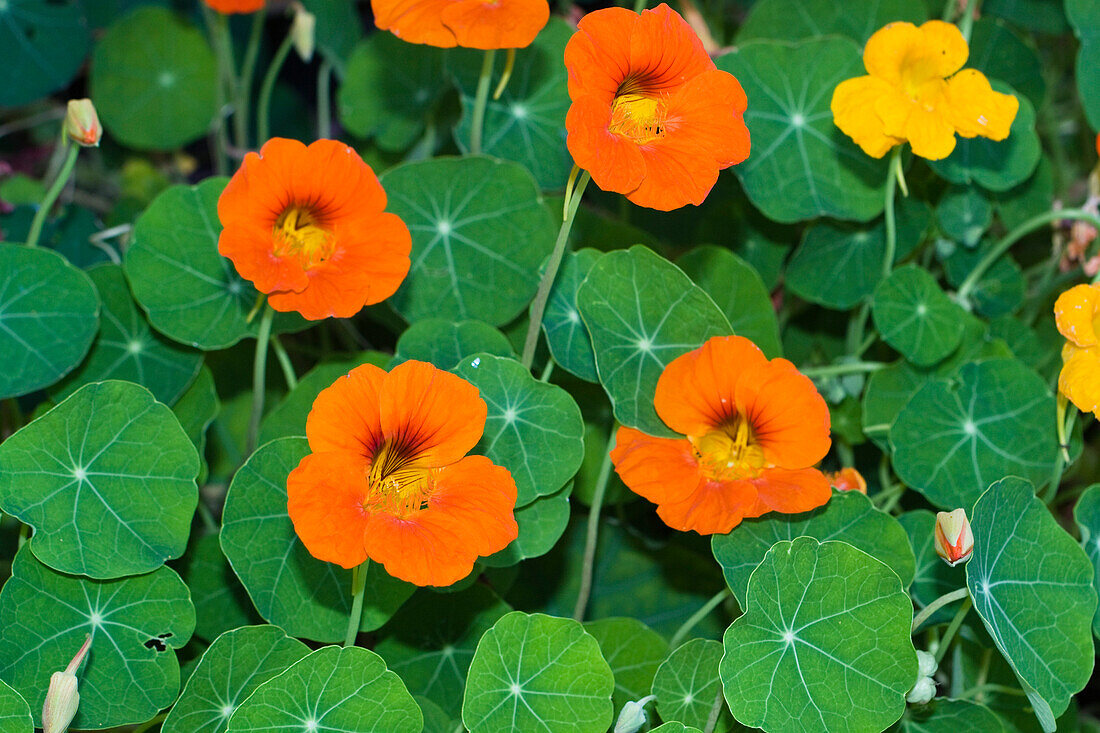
481,100
358,591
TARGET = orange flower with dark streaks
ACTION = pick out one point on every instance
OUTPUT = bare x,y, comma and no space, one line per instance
235,6
388,478
652,118
308,227
466,23
753,430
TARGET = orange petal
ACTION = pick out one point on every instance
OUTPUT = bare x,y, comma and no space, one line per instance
615,163
435,415
325,502
597,57
659,469
500,24
1075,312
424,549
853,108
975,109
345,415
1079,379
713,508
665,51
789,418
478,499
414,21
792,492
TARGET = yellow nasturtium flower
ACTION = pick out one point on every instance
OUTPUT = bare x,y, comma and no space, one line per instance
915,92
1077,313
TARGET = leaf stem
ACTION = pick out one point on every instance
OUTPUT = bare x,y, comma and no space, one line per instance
949,635
259,375
509,67
358,590
538,305
244,82
715,710
481,100
593,530
967,23
51,196
547,371
324,100
284,363
834,370
640,5
263,111
702,613
892,179
936,605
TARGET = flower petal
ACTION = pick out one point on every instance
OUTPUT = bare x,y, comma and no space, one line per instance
792,492
1075,312
479,499
425,550
789,419
1079,379
853,108
414,21
659,469
975,109
503,24
944,49
597,57
615,162
715,507
665,51
344,416
325,495
929,134
888,50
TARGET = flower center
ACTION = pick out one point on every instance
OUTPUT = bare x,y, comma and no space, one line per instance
637,117
396,484
729,452
300,233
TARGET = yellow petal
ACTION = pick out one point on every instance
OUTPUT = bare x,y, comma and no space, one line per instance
930,135
887,51
1080,379
975,109
1075,312
853,109
944,48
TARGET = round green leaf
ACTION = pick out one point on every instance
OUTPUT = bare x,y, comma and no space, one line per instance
533,429
49,314
538,672
106,478
933,577
128,349
195,410
915,316
15,713
642,312
633,651
435,720
444,343
1000,53
1084,16
1087,515
153,80
337,31
964,215
849,516
230,670
527,123
687,683
1032,585
479,233
220,600
802,165
332,690
824,625
997,166
1018,204
950,716
190,292
956,437
561,321
44,42
289,587
793,20
135,623
432,641
737,290
999,291
541,525
675,727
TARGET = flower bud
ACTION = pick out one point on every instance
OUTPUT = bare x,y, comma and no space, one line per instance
303,31
632,716
847,479
62,698
82,123
922,692
954,539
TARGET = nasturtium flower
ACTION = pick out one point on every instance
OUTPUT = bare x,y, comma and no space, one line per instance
388,477
753,429
466,23
847,479
915,92
307,225
235,6
651,116
953,538
1077,314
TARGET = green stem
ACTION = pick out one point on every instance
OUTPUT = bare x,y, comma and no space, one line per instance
244,83
640,5
888,213
936,605
1050,491
715,711
324,100
856,326
834,370
284,363
547,371
593,530
949,635
24,534
358,590
218,27
1002,246
967,23
259,378
681,633
481,100
51,196
538,306
207,517
263,111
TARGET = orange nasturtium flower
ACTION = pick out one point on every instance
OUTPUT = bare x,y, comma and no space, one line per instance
1077,313
468,23
388,478
235,6
307,226
914,91
753,430
652,118
847,479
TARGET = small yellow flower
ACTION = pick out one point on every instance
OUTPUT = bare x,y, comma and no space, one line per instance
1077,313
915,92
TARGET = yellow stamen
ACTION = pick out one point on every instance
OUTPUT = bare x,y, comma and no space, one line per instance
396,485
730,451
300,233
638,117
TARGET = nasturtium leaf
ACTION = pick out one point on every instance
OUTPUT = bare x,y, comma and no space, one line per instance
337,31
1087,515
332,690
44,42
527,123
49,314
135,623
949,716
793,20
633,651
431,642
541,525
106,478
1044,16
435,719
221,602
538,672
737,290
802,165
153,80
479,233
389,88
230,670
1032,585
1000,53
824,642
915,316
933,577
1018,204
191,293
15,713
1084,16
128,349
964,215
849,516
642,312
444,343
289,587
675,727
997,166
565,333
956,437
687,683
533,429
999,291
196,409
